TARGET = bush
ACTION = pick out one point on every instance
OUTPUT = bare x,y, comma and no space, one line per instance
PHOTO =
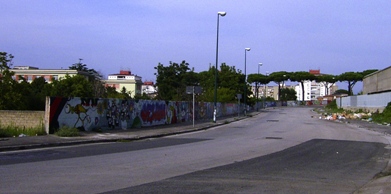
67,132
384,117
14,131
332,107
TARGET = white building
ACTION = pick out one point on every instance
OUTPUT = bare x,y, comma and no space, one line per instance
313,90
30,73
125,79
149,89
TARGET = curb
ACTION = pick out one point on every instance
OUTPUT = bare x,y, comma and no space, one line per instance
115,139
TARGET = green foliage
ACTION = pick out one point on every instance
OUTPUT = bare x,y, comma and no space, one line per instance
384,117
341,91
173,79
302,76
14,131
279,78
67,132
10,97
229,83
328,80
333,107
353,77
72,86
288,94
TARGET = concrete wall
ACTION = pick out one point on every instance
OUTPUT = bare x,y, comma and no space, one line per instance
109,114
23,119
377,82
371,103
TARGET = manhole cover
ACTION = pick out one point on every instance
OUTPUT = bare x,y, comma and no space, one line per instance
272,120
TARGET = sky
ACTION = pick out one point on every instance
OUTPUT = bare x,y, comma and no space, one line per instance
333,36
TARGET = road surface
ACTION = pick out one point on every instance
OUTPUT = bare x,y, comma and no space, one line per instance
283,150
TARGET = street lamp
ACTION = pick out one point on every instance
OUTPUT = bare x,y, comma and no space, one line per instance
222,14
245,80
256,87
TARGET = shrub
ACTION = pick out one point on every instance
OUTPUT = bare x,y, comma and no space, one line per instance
384,117
332,107
14,131
66,131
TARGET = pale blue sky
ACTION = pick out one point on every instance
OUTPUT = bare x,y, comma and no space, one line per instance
334,36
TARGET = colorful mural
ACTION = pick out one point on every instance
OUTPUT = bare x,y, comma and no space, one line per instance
89,114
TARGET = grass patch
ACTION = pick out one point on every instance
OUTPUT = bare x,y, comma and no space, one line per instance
384,117
332,107
14,131
66,131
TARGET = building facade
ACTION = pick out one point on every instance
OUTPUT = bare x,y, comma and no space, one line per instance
125,79
30,73
377,82
313,90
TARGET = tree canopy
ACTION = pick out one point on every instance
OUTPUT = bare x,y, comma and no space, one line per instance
301,76
353,77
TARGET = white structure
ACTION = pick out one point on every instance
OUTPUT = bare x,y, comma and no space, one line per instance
149,89
30,73
125,79
313,90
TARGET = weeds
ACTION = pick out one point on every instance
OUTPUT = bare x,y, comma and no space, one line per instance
333,107
14,131
384,117
66,131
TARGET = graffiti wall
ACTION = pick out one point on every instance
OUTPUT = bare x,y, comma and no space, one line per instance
89,114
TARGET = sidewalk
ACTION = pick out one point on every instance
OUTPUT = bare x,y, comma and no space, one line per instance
31,142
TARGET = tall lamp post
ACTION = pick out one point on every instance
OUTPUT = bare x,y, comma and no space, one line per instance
222,14
245,81
260,64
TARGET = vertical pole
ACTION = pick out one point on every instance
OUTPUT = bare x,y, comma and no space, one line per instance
256,87
217,56
245,84
193,104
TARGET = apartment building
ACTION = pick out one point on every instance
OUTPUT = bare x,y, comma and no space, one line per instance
30,73
125,79
313,90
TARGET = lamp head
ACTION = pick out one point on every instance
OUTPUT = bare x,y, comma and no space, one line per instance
222,13
260,64
247,49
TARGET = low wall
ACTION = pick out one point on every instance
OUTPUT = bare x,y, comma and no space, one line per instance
370,103
23,119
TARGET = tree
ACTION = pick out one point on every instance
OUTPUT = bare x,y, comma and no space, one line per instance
288,94
93,76
229,83
301,76
341,91
39,89
72,86
10,97
279,78
173,79
258,79
327,80
79,66
353,77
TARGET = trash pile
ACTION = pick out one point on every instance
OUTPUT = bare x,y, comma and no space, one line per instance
345,115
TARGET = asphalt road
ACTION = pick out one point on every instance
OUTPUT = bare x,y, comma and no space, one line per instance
279,151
